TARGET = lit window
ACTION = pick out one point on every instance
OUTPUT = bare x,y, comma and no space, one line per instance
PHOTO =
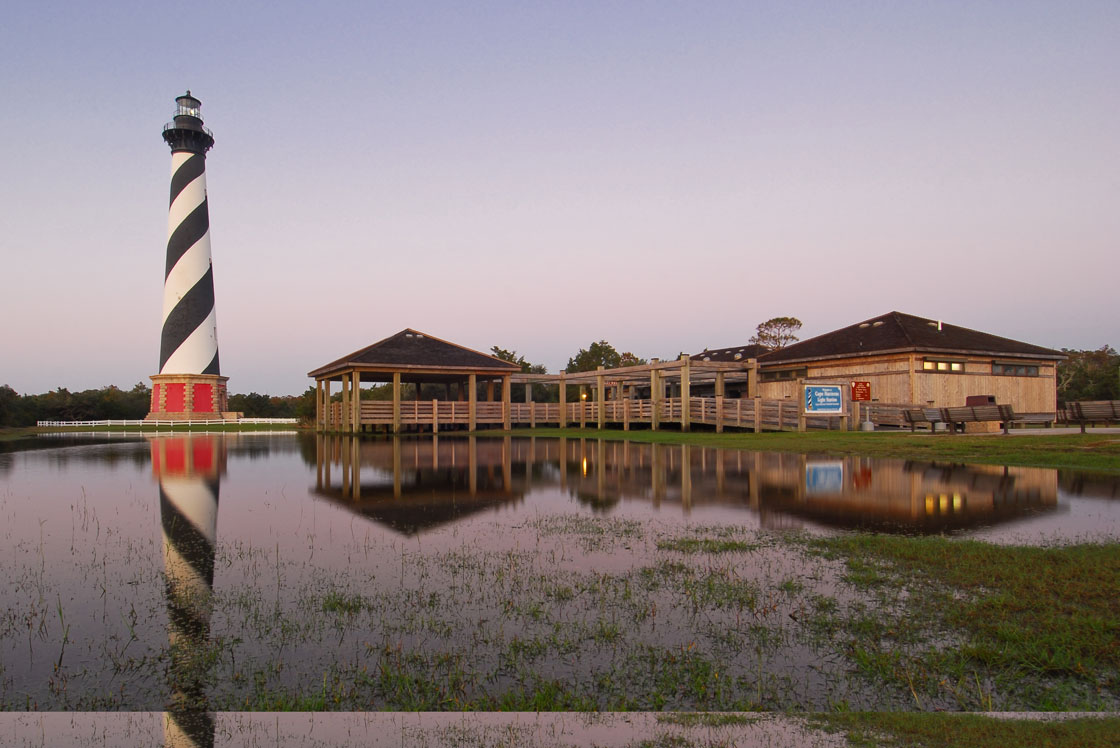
935,365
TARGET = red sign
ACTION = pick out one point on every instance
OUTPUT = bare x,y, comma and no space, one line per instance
861,391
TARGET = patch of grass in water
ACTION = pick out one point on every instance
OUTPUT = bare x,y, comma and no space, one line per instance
706,545
709,719
944,730
336,601
1037,626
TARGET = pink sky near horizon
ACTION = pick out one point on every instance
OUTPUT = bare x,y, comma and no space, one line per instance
541,176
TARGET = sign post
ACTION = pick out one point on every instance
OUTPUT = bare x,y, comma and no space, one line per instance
861,393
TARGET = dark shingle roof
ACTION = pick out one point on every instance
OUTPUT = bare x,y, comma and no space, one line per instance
896,331
734,353
416,349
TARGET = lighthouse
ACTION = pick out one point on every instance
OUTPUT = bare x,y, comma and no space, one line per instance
189,384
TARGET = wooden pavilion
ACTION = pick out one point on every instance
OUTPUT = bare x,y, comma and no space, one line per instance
416,358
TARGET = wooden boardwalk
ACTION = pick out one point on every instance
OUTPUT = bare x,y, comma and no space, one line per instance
753,414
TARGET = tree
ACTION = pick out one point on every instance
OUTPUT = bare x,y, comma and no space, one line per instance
596,355
10,407
513,358
629,359
1089,375
777,333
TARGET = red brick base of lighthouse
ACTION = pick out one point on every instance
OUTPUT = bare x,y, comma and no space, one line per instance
194,397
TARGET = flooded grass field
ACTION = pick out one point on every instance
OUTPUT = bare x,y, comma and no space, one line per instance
255,572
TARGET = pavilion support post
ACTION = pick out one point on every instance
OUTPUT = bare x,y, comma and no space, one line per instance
529,402
582,407
686,389
319,404
356,402
396,402
328,415
472,401
345,403
626,414
752,377
719,402
489,390
655,399
600,397
435,416
563,402
507,404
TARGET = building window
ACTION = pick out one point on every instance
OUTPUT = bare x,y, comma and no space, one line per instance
932,364
1014,370
785,374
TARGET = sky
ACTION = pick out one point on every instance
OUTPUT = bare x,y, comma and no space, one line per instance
542,175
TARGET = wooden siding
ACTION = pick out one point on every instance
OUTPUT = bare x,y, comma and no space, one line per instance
890,382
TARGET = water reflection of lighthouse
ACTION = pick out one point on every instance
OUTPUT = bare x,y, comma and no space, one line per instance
188,469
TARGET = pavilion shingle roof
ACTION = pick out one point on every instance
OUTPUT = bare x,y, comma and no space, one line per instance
896,331
416,349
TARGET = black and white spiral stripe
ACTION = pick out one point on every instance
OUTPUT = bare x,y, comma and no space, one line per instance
189,342
189,516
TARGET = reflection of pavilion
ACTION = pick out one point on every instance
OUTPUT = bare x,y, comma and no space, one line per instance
414,485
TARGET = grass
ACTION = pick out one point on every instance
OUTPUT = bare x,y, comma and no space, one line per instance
705,545
941,730
1097,452
1032,625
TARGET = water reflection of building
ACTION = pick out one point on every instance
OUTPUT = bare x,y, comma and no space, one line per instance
913,496
189,469
413,485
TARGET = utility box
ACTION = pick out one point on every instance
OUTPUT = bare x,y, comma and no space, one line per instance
974,400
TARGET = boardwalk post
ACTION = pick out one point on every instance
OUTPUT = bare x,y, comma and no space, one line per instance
758,415
582,406
719,402
600,396
472,400
563,402
801,421
625,414
396,402
686,390
507,404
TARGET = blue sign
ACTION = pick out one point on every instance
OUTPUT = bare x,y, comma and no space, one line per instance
824,399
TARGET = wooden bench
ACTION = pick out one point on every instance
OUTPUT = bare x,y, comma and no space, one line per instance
957,417
922,417
977,414
1093,411
1045,419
